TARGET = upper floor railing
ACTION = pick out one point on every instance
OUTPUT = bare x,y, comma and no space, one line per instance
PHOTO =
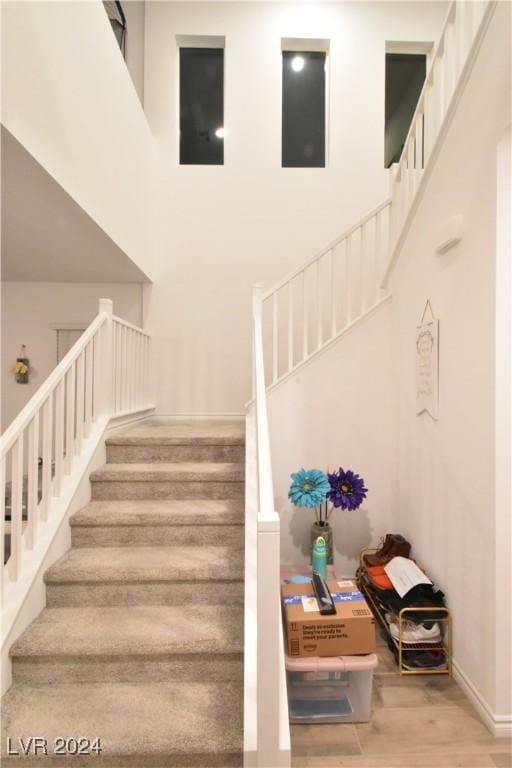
314,304
104,374
462,32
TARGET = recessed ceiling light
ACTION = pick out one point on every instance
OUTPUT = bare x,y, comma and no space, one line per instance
298,63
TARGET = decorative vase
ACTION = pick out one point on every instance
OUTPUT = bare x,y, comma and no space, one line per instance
22,378
324,530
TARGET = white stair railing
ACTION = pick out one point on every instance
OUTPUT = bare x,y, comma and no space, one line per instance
103,375
131,367
311,306
266,729
451,62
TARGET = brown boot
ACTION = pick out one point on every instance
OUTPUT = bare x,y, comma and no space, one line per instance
388,543
399,548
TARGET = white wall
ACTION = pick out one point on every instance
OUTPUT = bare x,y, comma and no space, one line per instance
445,497
28,310
338,411
67,97
226,227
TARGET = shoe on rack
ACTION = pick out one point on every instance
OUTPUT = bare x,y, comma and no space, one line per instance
399,547
386,545
435,659
416,633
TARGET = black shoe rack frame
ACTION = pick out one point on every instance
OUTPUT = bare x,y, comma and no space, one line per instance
445,623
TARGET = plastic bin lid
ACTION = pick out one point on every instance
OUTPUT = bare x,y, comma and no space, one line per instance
332,663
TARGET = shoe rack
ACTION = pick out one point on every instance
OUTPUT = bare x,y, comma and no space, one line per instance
445,624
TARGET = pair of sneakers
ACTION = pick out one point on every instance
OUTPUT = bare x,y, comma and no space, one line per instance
415,633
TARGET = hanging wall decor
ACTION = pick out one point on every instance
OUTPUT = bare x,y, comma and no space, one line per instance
21,367
427,363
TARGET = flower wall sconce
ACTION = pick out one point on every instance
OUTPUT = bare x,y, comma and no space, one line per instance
21,367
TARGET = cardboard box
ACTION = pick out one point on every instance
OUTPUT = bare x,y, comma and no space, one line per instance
349,632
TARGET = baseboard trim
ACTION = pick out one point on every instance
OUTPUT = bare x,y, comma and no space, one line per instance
213,416
499,725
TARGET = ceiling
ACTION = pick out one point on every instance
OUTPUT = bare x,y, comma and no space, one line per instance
46,236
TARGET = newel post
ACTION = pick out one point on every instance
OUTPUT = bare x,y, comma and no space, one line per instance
106,368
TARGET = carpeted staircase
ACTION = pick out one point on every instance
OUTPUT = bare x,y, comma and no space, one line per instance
141,641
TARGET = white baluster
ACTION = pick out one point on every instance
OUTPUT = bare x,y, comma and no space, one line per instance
70,419
290,325
363,268
439,86
141,400
385,237
133,371
105,305
88,389
33,481
418,135
147,371
449,64
305,312
80,403
332,274
118,352
47,455
124,369
16,507
136,370
319,305
349,299
97,376
411,172
371,261
59,437
275,337
341,284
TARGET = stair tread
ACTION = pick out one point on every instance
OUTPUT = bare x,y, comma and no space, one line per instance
154,512
182,433
177,471
148,564
134,630
145,720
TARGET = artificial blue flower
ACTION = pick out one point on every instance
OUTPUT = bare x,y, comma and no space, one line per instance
309,488
347,490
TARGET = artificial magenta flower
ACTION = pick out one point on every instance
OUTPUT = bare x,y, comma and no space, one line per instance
309,488
347,490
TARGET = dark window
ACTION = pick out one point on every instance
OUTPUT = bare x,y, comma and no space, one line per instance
405,75
303,141
201,106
